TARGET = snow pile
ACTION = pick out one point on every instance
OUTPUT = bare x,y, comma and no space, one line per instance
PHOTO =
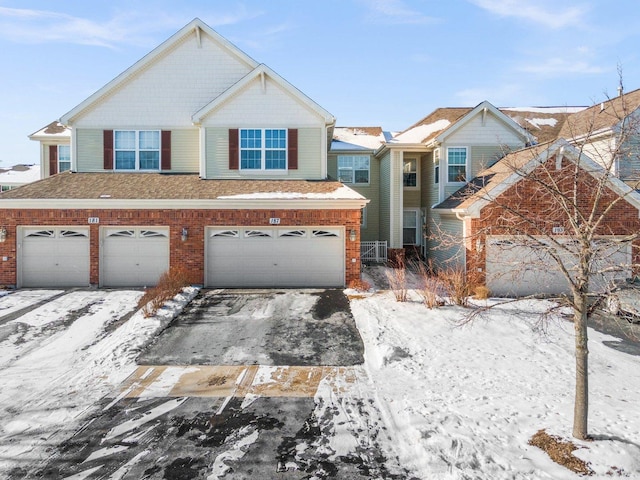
461,402
61,358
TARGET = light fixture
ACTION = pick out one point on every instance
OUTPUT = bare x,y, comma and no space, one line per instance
185,234
3,234
353,235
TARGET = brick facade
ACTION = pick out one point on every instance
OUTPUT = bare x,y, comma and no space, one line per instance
189,253
527,208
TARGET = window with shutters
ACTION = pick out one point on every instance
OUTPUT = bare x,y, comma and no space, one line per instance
64,158
136,149
263,149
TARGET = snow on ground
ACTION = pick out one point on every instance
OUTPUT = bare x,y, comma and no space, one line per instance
461,402
59,359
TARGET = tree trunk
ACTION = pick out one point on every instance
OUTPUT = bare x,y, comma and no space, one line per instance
581,404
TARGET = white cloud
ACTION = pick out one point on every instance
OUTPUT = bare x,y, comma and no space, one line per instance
395,12
535,11
129,28
557,66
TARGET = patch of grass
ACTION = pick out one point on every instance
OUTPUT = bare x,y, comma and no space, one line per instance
560,451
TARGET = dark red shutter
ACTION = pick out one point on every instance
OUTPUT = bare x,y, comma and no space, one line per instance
292,147
53,159
234,150
108,149
165,155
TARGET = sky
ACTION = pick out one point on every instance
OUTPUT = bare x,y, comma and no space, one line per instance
384,63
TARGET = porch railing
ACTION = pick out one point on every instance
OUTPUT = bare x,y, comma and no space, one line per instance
373,252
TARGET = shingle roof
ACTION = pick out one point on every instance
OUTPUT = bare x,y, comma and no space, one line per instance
439,119
357,138
544,123
150,186
601,116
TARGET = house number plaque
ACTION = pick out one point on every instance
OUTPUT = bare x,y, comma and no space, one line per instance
274,221
94,220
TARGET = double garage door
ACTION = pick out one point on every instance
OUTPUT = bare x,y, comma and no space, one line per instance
60,256
517,266
275,257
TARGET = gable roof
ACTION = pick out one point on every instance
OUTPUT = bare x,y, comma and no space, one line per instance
55,130
358,138
493,181
544,123
261,71
433,124
195,27
600,117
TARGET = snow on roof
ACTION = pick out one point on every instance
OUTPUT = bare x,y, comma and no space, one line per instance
419,133
550,110
357,138
538,122
20,174
341,193
53,130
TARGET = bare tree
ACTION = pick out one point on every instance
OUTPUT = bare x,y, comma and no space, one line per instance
564,206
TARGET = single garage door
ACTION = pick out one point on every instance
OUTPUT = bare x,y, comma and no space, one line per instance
517,266
275,257
53,257
133,256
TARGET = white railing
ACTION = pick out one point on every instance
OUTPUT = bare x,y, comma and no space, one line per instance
373,252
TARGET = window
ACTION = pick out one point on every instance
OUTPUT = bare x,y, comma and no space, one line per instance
64,158
5,188
137,150
436,173
456,164
263,149
363,217
353,168
410,227
410,173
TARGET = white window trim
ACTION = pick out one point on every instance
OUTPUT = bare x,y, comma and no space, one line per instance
263,150
417,186
353,170
59,156
466,165
137,150
418,227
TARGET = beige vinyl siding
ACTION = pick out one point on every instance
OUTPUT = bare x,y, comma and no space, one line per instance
90,149
332,165
447,246
411,198
385,193
309,156
484,156
396,196
185,151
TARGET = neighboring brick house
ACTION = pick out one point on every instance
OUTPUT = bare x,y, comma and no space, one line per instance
508,218
197,156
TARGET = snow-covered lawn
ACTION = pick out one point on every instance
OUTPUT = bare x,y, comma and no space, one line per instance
58,360
462,402
458,402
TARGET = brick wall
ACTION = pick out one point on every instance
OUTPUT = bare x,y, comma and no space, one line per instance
527,208
189,253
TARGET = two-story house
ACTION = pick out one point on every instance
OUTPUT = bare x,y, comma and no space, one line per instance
199,156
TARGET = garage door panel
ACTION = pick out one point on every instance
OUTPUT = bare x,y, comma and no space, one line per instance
275,257
516,266
54,257
133,257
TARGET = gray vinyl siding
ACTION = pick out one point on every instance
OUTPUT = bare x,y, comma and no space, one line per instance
630,164
185,151
447,251
310,155
385,192
90,150
483,156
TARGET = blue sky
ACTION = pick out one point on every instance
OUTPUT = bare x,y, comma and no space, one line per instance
368,62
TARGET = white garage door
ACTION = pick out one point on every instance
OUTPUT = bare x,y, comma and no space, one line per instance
275,257
517,266
53,257
133,257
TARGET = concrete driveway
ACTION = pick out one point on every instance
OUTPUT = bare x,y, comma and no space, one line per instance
253,384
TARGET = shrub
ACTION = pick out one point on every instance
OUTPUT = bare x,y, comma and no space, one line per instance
360,285
456,285
397,277
169,285
481,292
430,285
